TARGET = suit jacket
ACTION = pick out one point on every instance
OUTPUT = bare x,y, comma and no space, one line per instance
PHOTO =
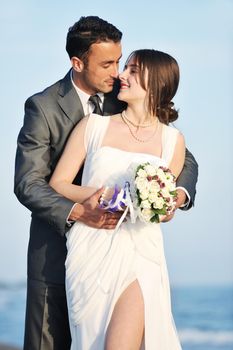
50,116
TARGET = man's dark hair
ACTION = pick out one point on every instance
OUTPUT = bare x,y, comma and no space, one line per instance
87,31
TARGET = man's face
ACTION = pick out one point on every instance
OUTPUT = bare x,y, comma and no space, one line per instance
101,69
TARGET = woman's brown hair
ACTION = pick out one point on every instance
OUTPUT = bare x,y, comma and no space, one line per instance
159,76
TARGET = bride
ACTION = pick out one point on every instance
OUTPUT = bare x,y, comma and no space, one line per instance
117,284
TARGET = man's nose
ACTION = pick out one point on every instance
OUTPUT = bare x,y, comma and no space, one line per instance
115,71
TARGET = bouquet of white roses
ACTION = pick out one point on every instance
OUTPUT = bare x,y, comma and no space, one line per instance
155,191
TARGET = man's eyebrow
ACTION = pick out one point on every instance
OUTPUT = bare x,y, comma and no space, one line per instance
111,61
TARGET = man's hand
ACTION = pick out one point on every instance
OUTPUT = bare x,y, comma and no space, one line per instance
181,199
91,215
167,218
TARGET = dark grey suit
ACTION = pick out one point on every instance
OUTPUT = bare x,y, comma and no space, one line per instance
50,116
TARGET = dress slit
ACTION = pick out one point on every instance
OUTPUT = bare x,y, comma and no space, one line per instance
140,295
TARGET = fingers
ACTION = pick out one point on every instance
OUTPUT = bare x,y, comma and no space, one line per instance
108,221
100,218
168,217
98,193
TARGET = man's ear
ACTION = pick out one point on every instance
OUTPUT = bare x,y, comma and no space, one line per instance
77,64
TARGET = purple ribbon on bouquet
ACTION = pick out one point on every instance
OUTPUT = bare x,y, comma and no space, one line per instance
118,202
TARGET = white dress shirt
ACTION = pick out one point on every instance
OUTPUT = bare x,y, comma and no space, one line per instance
88,108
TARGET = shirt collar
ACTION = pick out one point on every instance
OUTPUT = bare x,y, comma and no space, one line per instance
83,95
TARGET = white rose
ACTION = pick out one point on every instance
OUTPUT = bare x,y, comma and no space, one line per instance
146,214
150,170
161,175
154,186
165,192
169,182
145,204
141,173
159,203
144,194
171,187
153,197
141,184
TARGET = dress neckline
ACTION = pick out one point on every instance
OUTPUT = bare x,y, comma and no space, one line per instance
108,119
130,152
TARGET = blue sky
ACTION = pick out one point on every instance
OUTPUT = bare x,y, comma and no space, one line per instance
199,35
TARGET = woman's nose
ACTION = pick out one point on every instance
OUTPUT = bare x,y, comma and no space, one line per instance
122,75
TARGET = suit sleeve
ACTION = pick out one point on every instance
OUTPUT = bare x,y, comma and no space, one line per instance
33,170
188,177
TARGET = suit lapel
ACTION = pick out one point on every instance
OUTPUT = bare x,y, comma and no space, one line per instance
71,105
69,100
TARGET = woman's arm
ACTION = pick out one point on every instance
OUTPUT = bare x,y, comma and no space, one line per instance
177,162
69,165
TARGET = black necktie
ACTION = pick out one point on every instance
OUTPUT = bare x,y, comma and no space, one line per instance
95,100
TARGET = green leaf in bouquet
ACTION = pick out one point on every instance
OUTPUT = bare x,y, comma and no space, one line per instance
161,211
141,166
173,193
138,197
155,218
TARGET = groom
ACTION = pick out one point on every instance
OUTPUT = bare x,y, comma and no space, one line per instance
94,48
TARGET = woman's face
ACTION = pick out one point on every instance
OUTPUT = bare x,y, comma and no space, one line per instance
130,87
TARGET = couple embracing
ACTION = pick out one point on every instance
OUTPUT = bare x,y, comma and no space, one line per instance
90,285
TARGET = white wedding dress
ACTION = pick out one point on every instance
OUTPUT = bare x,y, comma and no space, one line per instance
101,264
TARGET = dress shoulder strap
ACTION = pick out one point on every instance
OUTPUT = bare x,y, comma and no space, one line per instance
169,139
95,131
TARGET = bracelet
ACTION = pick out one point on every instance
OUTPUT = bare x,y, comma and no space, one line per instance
102,200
